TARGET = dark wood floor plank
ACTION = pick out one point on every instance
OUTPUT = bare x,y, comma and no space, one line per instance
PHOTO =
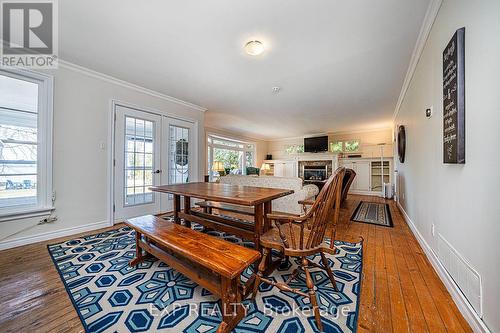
382,296
414,312
454,321
398,309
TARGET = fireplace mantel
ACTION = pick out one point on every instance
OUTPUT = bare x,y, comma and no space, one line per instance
292,166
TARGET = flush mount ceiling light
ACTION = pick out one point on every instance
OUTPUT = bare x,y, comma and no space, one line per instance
254,47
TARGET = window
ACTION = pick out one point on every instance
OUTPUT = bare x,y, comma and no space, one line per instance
178,155
336,147
234,156
347,146
294,149
352,146
25,144
139,145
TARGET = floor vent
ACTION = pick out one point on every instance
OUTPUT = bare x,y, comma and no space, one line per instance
464,275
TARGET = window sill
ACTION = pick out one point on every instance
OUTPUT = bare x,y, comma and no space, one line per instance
25,213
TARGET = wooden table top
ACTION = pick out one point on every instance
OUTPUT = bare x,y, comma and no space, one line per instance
235,194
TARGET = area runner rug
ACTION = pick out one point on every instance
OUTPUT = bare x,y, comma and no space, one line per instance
374,213
110,296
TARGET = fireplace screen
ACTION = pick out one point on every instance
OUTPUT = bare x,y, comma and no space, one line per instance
315,173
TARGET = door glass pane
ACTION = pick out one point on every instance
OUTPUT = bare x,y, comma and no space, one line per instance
178,160
138,162
18,142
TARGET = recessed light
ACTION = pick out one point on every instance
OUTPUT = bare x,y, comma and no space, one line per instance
254,47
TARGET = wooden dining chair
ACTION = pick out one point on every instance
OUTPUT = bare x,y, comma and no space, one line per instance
302,236
349,176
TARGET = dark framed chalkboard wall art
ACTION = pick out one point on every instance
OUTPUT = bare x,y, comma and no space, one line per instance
454,99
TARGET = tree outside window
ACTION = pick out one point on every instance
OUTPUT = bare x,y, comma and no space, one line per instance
352,145
347,146
294,149
336,147
236,156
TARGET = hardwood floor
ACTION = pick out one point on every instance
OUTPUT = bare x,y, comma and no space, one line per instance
400,291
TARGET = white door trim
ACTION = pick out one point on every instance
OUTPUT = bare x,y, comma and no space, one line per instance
111,146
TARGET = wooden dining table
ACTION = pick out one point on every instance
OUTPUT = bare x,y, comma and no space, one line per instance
260,198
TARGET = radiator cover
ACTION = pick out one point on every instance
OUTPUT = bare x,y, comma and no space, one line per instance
462,272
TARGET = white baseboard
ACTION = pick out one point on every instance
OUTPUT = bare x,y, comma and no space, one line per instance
476,323
8,244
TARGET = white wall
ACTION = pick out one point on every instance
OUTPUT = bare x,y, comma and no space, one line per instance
82,105
368,142
461,200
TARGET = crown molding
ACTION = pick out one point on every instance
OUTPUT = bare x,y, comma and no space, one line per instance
84,70
425,29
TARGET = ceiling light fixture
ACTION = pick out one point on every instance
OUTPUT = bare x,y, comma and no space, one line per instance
254,47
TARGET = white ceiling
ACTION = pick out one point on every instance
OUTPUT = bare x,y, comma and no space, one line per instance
340,63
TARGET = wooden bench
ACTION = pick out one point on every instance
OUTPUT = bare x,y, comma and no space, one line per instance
238,209
211,262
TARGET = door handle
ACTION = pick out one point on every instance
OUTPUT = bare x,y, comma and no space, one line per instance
157,171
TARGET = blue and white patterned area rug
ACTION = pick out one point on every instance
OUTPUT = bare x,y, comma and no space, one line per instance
110,296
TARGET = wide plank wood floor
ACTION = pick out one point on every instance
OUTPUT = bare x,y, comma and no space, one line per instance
400,291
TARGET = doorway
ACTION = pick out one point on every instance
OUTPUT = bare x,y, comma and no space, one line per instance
150,149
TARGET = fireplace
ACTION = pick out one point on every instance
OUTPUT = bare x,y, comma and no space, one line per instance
315,173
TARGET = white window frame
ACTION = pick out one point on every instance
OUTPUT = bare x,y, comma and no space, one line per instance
45,196
211,146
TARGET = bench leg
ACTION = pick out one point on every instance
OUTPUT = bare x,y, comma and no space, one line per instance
177,208
187,209
232,309
138,251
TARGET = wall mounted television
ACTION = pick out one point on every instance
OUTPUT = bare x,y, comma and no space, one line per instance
316,145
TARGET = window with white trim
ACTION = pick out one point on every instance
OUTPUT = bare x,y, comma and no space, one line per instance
25,143
234,156
348,146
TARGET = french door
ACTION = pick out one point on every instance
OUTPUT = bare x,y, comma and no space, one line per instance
179,159
150,149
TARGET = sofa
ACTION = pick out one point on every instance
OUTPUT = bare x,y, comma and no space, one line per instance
287,204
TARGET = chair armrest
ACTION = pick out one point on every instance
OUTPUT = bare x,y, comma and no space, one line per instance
306,202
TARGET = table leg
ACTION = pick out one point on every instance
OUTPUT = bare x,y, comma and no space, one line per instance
177,208
268,208
259,221
187,209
